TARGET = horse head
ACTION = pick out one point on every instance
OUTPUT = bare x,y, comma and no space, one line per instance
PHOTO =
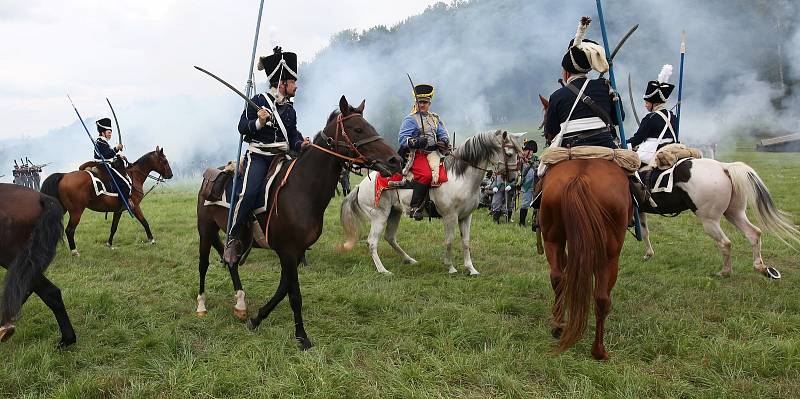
158,162
545,106
507,159
352,137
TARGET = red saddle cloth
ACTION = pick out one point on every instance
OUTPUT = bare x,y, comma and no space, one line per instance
382,183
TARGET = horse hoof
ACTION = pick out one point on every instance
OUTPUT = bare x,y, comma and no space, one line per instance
202,313
452,270
251,325
556,332
65,342
474,273
722,274
602,356
305,343
152,241
410,261
75,252
241,314
6,332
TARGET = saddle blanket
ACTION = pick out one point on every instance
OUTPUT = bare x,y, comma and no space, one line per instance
261,204
382,183
626,159
661,180
100,188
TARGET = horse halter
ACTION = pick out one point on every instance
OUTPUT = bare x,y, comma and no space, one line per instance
507,167
335,142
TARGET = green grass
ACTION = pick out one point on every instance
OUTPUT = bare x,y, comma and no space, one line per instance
674,330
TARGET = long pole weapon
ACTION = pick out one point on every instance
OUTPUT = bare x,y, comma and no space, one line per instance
97,151
680,85
248,89
116,121
617,108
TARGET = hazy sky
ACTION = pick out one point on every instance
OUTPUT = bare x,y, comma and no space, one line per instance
135,51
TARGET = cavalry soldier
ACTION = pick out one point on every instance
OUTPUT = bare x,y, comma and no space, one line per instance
113,156
423,140
659,127
578,122
261,129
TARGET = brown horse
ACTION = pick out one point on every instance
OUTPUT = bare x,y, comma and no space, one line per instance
295,222
585,208
75,191
30,229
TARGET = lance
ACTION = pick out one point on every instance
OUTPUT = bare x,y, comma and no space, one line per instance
97,151
248,90
116,121
633,105
680,85
617,107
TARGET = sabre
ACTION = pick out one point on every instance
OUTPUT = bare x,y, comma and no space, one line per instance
680,85
633,105
623,40
617,108
414,90
116,121
96,151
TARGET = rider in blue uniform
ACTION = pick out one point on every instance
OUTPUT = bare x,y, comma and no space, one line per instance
262,131
104,152
659,127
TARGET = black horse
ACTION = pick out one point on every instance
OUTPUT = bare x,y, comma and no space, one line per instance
30,229
295,222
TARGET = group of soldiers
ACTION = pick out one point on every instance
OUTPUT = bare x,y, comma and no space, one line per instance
580,113
26,174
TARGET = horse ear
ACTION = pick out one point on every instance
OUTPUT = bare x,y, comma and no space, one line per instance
158,149
344,107
360,108
544,101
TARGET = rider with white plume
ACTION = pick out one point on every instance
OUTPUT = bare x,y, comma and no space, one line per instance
659,127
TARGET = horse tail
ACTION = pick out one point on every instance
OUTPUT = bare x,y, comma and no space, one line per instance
351,216
50,186
584,222
747,185
34,257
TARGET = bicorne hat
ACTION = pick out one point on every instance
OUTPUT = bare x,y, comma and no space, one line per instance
658,91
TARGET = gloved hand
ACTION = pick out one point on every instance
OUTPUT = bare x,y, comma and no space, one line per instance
508,188
443,147
417,142
494,189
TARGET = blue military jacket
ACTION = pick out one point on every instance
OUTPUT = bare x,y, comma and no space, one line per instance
270,133
103,150
410,127
561,102
652,126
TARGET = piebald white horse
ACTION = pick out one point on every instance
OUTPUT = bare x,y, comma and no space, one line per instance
713,189
455,199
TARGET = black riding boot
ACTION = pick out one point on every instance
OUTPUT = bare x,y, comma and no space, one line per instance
496,216
417,200
523,213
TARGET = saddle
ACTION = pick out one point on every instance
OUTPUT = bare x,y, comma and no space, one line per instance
214,182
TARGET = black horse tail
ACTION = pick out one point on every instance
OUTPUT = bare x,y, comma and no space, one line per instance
50,187
34,257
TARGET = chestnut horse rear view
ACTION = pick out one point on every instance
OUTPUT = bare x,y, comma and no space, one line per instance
585,209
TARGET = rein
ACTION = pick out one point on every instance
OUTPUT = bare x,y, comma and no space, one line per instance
334,142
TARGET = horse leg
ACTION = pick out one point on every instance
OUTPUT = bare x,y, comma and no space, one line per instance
137,211
376,228
739,219
206,238
556,257
604,282
51,296
114,224
449,235
392,223
72,225
240,307
713,229
648,252
289,267
264,311
464,225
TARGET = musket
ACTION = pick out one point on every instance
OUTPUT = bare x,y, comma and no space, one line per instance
414,90
680,85
617,107
249,88
116,121
633,105
97,151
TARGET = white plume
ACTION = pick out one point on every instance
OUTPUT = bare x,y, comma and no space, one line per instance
666,72
582,27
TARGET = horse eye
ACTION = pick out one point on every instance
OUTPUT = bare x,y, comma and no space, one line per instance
359,130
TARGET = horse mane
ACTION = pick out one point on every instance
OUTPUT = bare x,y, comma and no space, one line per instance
142,159
475,150
333,115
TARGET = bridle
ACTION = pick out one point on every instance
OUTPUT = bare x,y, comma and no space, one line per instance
506,144
335,142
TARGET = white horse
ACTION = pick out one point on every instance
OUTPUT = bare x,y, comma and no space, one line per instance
712,189
455,199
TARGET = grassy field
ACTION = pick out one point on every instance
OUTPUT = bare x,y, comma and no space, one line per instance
674,330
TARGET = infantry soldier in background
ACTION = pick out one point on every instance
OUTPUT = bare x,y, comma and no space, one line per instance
528,178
